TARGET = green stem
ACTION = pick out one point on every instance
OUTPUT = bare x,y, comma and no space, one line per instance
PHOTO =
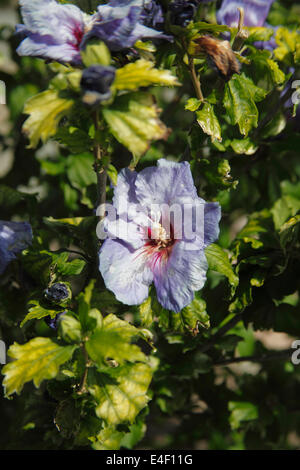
195,80
82,386
100,170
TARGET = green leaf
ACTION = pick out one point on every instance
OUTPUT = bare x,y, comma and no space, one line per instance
77,140
65,267
112,174
258,33
146,312
122,394
37,360
112,341
208,122
141,74
195,315
218,260
96,52
244,146
80,170
192,104
37,312
108,439
288,45
267,71
241,411
207,27
70,329
46,110
133,121
239,101
288,205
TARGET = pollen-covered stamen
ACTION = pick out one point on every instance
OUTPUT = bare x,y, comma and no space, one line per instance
158,246
158,237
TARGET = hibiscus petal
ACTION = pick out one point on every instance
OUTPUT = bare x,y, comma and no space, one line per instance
124,272
256,12
119,24
179,277
14,237
42,20
212,216
165,184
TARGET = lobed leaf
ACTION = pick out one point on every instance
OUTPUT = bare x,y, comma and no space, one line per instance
45,112
37,360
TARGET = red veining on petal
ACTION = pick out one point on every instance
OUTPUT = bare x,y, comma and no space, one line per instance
158,250
78,35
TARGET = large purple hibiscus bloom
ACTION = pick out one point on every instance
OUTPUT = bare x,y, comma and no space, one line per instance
58,32
121,23
51,30
147,243
14,237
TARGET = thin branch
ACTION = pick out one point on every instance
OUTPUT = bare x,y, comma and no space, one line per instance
82,385
195,79
100,170
264,358
221,332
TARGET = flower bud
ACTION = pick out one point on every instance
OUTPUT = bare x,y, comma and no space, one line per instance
96,82
58,293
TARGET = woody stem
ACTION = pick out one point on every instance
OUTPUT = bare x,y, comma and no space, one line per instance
195,80
100,170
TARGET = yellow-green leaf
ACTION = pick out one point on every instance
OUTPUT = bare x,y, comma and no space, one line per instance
122,394
96,52
37,312
37,360
133,121
108,439
208,122
142,73
288,45
239,101
218,260
113,341
45,111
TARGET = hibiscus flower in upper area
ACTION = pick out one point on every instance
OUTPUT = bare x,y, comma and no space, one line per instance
14,237
51,30
159,235
58,32
256,12
120,23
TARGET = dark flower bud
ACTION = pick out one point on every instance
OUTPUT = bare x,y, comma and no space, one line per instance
182,11
96,82
53,322
58,293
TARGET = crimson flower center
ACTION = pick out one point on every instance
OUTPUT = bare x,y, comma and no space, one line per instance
158,237
78,34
